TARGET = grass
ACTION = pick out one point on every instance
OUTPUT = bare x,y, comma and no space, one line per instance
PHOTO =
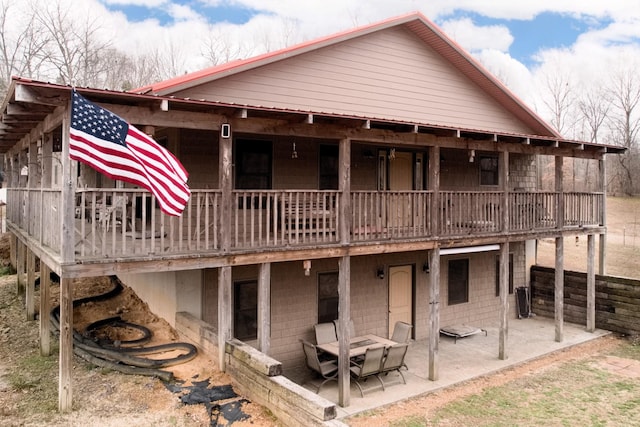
570,394
35,378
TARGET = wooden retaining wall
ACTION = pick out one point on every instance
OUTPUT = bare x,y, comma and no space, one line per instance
259,378
617,299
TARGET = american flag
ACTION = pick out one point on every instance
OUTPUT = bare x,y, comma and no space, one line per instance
118,150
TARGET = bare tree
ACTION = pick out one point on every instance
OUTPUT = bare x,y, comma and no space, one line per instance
22,52
594,109
560,100
219,48
625,120
76,47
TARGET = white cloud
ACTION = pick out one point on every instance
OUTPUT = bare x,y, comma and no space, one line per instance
144,3
473,37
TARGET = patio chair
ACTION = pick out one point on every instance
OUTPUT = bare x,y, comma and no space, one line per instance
352,328
325,333
370,367
327,370
401,332
394,360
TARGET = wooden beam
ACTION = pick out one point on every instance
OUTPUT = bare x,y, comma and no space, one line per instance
264,308
602,241
344,317
66,345
31,286
20,269
225,313
225,177
591,284
559,290
45,309
68,202
434,186
434,313
344,186
504,301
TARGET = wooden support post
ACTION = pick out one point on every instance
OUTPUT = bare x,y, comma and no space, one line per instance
66,345
344,186
225,176
434,312
264,308
434,186
591,284
504,184
504,301
559,192
559,289
225,313
45,309
31,286
602,264
344,317
20,266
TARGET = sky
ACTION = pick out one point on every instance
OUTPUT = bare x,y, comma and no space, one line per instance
517,40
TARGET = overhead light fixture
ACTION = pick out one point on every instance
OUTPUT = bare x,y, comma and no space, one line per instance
380,273
306,264
425,267
472,155
294,153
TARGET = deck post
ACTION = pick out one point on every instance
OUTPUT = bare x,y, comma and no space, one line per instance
264,308
66,345
225,176
225,313
434,187
31,285
344,317
434,312
559,279
20,267
603,237
67,255
559,289
504,301
504,184
591,284
344,275
45,309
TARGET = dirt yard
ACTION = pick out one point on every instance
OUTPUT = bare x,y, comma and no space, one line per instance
103,397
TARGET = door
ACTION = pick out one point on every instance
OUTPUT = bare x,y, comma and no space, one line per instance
400,295
401,179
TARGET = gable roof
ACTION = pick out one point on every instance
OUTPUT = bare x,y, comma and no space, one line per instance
416,23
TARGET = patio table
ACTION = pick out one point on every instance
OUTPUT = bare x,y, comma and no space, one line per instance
358,345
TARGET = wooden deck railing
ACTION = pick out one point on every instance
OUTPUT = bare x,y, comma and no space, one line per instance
390,214
120,223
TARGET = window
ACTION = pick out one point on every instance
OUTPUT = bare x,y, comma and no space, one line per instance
498,275
327,297
253,164
458,286
245,310
488,170
328,167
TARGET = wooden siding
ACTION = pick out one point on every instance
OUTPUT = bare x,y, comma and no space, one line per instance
390,74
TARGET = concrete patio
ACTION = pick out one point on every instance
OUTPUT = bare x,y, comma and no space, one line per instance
468,358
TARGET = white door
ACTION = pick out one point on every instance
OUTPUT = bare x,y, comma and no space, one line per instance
400,179
400,295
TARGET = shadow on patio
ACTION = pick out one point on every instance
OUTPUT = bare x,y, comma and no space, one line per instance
460,361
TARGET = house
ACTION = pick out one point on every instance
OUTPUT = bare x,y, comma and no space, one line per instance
373,176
